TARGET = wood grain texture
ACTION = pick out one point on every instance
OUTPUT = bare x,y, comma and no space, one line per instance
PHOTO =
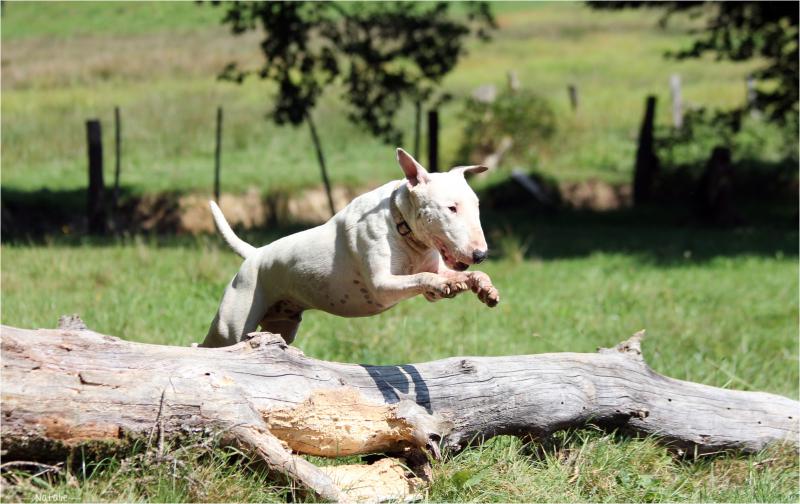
73,387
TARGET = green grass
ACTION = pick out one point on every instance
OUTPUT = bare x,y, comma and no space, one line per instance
63,20
720,308
579,466
65,63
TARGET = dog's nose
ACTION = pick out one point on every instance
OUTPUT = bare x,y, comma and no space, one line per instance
478,256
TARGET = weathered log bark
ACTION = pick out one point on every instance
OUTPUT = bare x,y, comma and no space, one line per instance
73,387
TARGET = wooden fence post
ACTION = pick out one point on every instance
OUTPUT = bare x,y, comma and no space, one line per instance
572,90
433,140
752,96
218,154
514,84
95,204
646,159
117,149
677,100
417,126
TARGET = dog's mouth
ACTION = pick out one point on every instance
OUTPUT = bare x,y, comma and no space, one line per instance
450,261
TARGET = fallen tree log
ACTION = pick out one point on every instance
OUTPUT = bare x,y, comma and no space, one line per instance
72,387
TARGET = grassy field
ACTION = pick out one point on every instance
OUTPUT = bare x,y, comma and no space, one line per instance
720,305
720,308
65,63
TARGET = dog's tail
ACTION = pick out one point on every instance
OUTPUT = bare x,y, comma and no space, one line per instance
238,245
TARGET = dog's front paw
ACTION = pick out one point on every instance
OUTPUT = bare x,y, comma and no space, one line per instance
481,284
489,296
446,288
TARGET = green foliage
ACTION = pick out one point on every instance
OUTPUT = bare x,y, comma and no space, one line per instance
761,149
381,53
521,116
742,31
767,30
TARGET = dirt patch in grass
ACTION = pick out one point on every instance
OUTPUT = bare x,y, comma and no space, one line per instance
251,210
52,213
596,195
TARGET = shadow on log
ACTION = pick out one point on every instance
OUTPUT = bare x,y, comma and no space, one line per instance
72,387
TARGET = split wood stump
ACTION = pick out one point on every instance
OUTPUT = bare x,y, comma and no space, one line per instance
72,387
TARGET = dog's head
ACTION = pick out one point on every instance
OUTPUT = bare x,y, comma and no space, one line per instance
446,213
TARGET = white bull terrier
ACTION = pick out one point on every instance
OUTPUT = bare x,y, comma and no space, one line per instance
407,237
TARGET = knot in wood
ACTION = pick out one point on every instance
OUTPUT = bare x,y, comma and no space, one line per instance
71,323
467,367
258,339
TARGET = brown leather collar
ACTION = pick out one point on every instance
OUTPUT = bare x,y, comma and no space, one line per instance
402,227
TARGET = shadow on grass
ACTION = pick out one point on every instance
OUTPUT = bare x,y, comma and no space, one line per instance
37,214
515,229
660,236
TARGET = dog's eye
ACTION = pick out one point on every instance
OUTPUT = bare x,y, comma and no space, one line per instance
453,209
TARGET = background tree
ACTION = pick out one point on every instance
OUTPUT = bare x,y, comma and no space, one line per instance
740,31
736,31
378,54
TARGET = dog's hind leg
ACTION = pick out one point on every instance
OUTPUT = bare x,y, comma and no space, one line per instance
242,308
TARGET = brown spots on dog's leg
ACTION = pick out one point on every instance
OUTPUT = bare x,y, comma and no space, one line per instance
367,298
356,282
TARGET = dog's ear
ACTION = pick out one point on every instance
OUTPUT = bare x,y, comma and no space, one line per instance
469,169
414,171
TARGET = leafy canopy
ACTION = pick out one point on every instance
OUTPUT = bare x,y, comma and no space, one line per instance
380,53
